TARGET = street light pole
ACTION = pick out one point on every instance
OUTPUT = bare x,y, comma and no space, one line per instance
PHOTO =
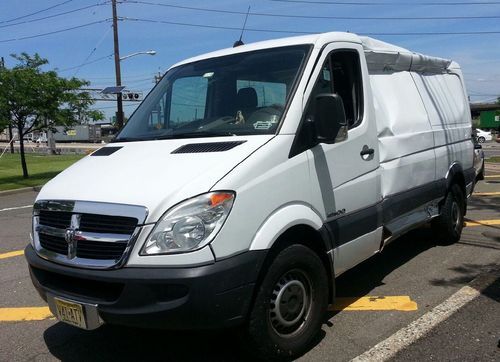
148,52
119,102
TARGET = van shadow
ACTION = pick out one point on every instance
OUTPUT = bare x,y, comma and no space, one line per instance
112,343
483,204
370,274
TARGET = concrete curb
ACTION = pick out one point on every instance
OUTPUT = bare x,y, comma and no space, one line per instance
21,190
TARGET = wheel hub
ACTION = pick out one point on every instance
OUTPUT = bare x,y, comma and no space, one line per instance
290,303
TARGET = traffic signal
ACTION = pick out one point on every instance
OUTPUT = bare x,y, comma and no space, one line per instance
131,96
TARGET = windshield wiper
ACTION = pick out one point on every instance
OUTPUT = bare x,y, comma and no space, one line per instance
197,134
128,139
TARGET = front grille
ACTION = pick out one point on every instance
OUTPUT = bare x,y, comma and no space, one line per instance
95,236
57,219
107,224
53,243
94,223
84,248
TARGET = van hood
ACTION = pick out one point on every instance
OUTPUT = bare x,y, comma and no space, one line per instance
153,174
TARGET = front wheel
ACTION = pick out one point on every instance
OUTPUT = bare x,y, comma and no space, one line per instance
290,305
481,139
448,226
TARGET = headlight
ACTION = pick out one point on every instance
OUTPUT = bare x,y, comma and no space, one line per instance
190,225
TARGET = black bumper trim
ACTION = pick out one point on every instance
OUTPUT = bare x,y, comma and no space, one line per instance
211,296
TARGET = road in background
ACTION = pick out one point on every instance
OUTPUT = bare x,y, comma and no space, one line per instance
491,148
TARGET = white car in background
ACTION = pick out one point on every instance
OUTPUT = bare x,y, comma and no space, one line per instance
483,136
479,161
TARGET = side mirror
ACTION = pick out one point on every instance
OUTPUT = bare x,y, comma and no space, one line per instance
329,118
478,146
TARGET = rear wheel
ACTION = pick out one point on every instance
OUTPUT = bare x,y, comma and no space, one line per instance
448,226
481,139
290,305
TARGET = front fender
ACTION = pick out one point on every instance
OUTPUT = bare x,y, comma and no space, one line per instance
281,220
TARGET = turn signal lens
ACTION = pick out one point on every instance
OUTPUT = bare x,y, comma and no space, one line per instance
219,198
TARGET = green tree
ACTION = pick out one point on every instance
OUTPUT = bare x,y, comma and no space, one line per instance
38,100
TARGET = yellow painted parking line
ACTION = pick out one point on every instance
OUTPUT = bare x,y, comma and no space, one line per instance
10,254
486,194
24,314
492,176
374,303
482,222
399,303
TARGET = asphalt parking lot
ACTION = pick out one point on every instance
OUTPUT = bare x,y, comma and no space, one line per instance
376,299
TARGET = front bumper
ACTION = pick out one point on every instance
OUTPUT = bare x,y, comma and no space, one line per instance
211,296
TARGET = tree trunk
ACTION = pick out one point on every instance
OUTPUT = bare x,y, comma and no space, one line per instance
11,140
21,150
51,143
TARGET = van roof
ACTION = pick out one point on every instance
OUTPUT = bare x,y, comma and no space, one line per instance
380,55
314,39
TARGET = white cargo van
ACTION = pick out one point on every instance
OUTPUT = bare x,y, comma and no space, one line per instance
248,180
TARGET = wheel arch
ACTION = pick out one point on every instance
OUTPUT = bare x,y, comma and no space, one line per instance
295,224
455,175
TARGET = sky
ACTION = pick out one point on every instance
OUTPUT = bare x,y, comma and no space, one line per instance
179,30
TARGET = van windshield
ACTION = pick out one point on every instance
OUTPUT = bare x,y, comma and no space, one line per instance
240,94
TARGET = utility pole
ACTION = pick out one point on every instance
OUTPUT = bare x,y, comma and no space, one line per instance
119,103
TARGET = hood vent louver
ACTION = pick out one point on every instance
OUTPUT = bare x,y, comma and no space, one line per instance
105,151
207,147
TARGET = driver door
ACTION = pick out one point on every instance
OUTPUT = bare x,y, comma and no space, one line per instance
345,175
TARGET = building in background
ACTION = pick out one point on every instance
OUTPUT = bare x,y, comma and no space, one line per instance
489,119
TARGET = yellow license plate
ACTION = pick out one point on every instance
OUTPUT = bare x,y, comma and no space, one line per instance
71,313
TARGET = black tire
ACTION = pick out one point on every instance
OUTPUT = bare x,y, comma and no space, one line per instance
281,331
448,226
481,139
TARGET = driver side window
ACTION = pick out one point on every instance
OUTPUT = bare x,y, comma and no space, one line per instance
341,75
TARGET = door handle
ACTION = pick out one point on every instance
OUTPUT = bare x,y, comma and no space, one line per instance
367,151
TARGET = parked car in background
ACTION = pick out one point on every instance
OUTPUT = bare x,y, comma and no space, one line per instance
479,161
483,136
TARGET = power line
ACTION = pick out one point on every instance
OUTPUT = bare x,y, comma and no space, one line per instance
308,32
114,107
142,76
221,11
213,26
54,15
128,84
390,3
92,51
87,63
54,32
36,12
